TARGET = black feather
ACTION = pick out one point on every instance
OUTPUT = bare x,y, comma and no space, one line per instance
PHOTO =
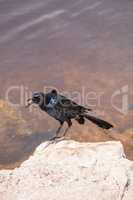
99,122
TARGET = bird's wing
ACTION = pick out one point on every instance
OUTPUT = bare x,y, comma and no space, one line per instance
71,105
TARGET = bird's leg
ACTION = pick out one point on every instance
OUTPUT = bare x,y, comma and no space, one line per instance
69,122
57,132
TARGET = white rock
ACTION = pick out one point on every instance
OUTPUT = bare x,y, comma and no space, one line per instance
71,170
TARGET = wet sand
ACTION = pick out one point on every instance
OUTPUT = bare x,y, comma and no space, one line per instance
68,45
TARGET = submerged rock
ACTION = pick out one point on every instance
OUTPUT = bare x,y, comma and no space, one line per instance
71,170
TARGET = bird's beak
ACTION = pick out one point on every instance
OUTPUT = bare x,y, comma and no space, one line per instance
29,102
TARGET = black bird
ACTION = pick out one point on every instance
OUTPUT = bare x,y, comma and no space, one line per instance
64,110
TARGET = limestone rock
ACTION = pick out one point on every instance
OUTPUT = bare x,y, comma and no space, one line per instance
71,170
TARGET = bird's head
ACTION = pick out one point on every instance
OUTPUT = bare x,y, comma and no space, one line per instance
37,98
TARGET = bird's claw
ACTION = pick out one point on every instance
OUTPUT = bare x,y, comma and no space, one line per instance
56,138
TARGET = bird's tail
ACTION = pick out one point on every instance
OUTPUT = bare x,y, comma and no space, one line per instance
99,122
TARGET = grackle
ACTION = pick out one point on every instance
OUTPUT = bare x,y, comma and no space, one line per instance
64,110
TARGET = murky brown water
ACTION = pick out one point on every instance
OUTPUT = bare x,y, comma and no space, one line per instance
69,45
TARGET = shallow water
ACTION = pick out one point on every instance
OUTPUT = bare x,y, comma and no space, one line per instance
69,45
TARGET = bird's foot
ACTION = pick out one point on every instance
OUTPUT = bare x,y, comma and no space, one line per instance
56,138
53,138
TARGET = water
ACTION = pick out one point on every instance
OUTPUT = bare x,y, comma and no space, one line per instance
69,45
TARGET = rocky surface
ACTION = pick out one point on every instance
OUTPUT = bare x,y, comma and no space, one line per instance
71,170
